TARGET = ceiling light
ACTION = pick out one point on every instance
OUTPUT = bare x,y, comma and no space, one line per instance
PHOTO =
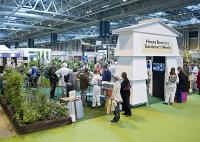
22,10
12,18
105,6
124,0
89,11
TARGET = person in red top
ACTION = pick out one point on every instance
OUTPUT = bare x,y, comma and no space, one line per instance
198,81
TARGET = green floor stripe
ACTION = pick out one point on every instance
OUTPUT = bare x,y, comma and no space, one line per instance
155,123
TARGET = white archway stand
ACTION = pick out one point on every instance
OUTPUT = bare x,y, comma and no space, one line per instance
149,38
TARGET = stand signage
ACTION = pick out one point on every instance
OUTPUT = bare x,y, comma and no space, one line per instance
150,45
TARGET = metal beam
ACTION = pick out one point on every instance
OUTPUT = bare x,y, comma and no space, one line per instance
12,29
36,16
140,9
15,10
42,12
145,8
28,26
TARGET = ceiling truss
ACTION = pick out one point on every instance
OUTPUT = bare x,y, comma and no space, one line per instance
34,18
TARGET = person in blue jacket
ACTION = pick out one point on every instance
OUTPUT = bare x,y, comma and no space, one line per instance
34,76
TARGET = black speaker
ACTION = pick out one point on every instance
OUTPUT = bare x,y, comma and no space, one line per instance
16,44
104,28
8,45
54,38
107,28
30,43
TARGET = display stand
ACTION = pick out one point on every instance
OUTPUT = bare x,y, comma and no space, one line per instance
74,107
149,38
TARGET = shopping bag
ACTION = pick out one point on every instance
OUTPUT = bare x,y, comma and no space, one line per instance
79,109
109,92
184,96
71,110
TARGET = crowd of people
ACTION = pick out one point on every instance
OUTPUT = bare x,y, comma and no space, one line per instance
177,86
104,71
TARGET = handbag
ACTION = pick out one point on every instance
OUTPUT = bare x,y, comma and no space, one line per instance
109,92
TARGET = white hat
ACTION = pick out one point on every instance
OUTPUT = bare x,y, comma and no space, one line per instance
64,65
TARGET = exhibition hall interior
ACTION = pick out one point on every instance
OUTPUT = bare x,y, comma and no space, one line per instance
99,70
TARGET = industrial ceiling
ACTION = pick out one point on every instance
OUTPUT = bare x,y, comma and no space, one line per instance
20,19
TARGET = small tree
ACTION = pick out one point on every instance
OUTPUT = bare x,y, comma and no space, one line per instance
14,88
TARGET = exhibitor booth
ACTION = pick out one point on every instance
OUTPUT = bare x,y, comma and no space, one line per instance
150,38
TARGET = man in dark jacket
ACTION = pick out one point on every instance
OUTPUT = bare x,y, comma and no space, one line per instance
84,83
71,83
53,79
106,76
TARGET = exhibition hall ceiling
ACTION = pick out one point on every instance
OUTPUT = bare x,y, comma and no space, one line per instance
20,19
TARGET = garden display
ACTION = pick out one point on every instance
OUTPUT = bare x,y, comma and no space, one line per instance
29,111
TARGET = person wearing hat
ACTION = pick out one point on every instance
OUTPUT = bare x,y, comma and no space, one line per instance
63,71
116,99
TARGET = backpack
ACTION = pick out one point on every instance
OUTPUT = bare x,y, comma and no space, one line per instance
66,77
52,70
52,75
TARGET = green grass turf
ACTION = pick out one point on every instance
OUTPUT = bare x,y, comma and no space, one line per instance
155,123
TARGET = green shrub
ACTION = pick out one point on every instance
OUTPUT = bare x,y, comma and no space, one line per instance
28,113
32,63
39,108
14,88
44,81
30,108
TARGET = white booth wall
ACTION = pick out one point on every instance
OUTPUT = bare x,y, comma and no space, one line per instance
132,52
26,52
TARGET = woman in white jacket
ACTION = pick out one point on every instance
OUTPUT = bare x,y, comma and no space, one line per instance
116,99
96,90
171,87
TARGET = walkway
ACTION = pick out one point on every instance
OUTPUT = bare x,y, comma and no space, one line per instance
6,129
153,123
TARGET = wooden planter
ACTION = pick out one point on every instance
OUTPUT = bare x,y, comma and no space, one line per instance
38,126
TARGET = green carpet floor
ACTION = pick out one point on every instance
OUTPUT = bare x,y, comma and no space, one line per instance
155,123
